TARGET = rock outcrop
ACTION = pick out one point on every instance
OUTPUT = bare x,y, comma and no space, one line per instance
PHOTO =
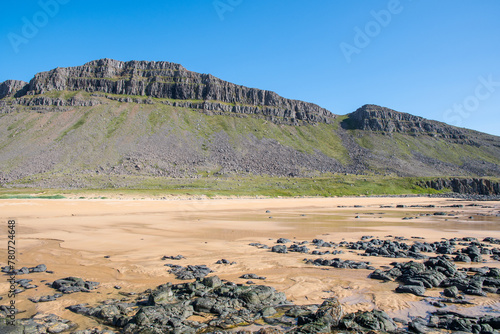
9,88
472,186
165,80
375,118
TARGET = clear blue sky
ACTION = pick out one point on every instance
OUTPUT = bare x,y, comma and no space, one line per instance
436,59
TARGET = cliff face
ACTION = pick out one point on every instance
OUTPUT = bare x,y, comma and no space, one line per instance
10,87
375,118
473,186
166,80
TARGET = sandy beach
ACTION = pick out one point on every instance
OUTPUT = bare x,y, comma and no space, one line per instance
122,242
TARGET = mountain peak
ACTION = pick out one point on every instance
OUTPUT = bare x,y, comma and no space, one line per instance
381,119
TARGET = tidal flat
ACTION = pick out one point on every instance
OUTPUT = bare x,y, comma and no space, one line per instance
129,246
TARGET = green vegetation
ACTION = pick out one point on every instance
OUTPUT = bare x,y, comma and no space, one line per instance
61,94
248,186
307,138
404,146
115,123
75,126
31,196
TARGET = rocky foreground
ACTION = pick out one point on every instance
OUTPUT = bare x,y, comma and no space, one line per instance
208,304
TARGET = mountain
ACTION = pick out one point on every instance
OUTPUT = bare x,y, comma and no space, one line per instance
109,124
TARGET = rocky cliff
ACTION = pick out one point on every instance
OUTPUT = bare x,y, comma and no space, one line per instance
165,80
473,186
375,118
9,88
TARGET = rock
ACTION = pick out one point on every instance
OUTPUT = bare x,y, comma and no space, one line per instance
204,304
451,292
39,323
44,299
440,213
38,269
261,294
413,289
74,284
418,325
268,311
258,245
212,282
462,258
373,320
329,313
252,276
282,241
380,275
190,272
298,249
279,249
161,296
11,88
171,257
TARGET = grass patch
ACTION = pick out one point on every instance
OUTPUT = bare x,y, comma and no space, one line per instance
20,196
247,186
75,126
115,123
404,146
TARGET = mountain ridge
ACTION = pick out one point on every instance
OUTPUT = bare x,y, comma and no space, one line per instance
78,124
165,80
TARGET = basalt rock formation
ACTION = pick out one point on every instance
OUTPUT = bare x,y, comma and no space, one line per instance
465,186
165,80
9,88
375,118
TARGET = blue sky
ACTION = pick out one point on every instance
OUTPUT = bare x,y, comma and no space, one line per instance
436,59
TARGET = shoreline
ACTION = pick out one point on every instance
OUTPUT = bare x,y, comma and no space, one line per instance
171,197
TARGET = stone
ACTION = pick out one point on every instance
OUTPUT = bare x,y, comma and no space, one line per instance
413,289
279,249
373,320
451,292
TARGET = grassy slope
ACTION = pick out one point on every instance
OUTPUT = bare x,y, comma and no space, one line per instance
80,132
404,146
327,185
107,127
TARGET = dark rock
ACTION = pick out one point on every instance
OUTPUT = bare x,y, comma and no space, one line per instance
279,249
252,276
451,292
418,325
38,269
171,257
190,271
413,289
74,284
374,320
298,249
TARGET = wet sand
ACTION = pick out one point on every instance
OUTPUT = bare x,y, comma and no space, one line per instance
76,237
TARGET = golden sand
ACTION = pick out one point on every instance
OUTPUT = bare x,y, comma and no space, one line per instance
72,237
